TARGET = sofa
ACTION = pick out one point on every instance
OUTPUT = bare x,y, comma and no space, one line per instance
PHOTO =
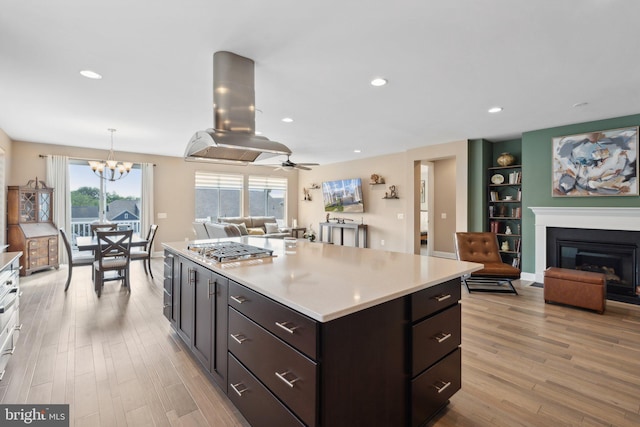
262,226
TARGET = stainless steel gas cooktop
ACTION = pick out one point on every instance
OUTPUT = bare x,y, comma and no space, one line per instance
229,251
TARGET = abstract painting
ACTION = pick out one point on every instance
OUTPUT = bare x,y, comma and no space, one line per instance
603,163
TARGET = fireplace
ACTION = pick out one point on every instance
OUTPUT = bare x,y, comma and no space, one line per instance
608,227
615,253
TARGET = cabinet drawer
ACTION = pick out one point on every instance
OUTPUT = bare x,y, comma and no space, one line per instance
295,328
287,373
431,390
435,298
255,402
34,244
435,337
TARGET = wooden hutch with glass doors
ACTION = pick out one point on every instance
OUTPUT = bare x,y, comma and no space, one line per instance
30,226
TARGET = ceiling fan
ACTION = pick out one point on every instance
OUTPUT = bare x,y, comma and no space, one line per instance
289,165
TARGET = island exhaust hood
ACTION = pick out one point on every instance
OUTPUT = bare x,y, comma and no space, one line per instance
233,137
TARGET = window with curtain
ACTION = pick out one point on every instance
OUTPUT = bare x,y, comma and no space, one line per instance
267,196
218,195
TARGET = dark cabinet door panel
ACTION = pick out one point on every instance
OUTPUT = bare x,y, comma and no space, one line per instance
435,337
432,389
435,298
202,315
220,331
257,404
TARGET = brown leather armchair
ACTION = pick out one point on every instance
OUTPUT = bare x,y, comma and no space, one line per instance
482,247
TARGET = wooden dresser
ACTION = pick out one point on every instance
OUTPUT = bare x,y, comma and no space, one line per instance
30,227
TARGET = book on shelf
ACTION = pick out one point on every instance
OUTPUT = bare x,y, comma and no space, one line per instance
492,211
494,196
495,226
519,196
515,262
515,177
516,212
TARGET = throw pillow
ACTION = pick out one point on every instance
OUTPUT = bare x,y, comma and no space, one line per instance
243,229
271,227
255,231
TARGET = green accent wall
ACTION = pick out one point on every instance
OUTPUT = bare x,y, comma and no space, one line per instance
479,158
536,178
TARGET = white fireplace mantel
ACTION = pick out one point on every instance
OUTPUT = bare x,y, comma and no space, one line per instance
627,219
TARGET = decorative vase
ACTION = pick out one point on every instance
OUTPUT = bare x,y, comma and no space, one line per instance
506,159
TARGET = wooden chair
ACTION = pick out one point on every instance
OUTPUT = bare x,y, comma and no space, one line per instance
74,261
144,255
103,227
114,249
482,247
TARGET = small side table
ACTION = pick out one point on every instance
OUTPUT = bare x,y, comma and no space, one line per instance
295,232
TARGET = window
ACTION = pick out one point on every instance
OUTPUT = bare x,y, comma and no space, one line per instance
94,199
268,196
218,195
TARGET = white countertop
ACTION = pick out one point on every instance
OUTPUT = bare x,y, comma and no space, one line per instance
326,281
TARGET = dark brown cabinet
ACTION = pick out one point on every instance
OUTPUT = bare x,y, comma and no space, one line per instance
30,226
199,312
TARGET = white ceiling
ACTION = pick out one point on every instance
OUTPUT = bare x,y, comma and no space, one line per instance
447,62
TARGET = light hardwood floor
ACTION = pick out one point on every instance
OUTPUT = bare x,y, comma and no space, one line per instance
117,362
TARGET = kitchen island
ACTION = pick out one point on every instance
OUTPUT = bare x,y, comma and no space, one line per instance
319,334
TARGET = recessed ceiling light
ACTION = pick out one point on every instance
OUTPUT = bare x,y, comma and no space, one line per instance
580,104
378,81
357,151
287,120
495,109
90,74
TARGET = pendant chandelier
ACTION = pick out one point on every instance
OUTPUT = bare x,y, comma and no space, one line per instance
111,169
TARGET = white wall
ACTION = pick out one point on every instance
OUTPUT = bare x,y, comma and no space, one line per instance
396,221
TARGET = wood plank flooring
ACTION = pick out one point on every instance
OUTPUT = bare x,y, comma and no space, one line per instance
117,362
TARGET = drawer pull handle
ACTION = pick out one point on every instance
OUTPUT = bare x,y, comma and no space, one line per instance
237,390
239,299
239,338
286,381
283,325
9,351
441,298
18,327
443,386
442,337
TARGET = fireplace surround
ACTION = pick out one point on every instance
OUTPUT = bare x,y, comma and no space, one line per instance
608,227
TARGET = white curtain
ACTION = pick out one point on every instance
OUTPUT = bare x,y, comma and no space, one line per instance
146,202
58,179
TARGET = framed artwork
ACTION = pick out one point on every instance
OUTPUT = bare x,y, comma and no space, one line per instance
603,163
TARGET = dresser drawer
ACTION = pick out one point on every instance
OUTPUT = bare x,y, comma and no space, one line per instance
295,328
435,337
287,373
255,402
435,298
432,389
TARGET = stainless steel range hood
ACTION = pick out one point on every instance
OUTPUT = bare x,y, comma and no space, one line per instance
233,137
